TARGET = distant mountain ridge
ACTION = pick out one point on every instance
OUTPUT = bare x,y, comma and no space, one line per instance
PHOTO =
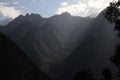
58,43
47,31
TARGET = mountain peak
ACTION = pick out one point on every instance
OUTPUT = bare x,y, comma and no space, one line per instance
33,18
66,14
33,15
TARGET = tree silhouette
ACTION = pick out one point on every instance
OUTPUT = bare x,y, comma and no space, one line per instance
112,14
107,74
84,75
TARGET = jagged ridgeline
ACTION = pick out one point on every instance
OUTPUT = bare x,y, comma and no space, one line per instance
46,40
63,45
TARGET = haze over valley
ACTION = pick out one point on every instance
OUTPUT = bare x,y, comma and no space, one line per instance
57,47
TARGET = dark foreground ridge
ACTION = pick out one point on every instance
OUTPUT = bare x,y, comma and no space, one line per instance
15,65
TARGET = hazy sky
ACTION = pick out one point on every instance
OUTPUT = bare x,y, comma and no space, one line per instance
47,8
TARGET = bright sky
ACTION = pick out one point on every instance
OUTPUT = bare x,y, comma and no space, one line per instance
47,8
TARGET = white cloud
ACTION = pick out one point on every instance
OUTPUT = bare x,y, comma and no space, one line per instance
3,3
22,7
84,7
64,3
10,12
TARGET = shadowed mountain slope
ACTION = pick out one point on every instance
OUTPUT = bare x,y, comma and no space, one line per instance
15,65
62,45
5,21
46,41
94,53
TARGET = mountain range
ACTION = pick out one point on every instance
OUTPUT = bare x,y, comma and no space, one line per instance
62,45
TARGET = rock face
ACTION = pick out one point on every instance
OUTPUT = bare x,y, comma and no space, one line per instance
63,44
46,41
15,65
94,53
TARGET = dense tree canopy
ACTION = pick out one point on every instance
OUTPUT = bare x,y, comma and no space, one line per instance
107,74
112,14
